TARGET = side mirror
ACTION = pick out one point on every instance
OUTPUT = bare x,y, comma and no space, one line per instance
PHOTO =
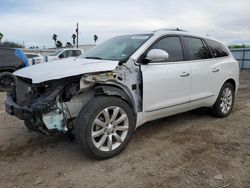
61,56
155,55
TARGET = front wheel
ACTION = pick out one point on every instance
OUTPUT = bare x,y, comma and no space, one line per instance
104,126
225,101
7,81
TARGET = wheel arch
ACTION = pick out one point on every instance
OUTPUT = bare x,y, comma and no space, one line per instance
228,80
231,81
115,90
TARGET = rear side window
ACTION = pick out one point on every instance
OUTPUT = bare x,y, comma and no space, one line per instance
172,45
71,53
195,48
218,50
77,53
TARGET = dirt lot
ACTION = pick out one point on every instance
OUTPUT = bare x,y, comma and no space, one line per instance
188,150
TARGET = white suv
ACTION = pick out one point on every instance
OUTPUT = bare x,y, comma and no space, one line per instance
64,53
119,85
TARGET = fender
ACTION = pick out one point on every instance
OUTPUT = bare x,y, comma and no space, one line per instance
114,90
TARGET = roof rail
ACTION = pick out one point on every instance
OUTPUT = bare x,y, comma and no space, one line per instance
169,29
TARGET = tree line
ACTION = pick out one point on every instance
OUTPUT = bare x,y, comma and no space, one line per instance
59,44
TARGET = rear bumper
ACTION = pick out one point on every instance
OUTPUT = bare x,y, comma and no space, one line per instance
13,109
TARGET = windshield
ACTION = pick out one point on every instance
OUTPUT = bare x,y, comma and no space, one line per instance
56,53
118,48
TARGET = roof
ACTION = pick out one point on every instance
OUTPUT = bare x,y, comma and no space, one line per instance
178,31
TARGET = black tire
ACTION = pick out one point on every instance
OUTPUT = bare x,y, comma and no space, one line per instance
216,110
84,125
7,81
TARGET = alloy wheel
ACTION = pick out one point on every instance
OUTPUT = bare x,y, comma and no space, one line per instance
110,128
226,100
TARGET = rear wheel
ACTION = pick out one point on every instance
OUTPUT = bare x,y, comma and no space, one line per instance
7,81
104,126
225,101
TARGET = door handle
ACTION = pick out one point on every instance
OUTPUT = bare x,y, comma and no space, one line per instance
184,74
215,70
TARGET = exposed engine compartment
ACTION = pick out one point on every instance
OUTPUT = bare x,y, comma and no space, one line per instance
43,105
52,106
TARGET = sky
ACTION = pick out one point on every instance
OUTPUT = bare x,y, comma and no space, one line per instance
35,21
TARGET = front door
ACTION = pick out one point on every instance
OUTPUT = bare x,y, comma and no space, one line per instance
166,85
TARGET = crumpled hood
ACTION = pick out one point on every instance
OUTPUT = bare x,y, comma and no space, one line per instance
65,68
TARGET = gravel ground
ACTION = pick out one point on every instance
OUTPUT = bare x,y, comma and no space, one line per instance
187,150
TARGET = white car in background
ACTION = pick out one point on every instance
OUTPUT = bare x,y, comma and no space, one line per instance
34,58
64,53
123,83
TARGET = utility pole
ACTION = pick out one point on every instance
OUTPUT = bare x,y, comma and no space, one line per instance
77,32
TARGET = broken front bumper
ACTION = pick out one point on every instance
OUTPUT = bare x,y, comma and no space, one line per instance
54,120
21,112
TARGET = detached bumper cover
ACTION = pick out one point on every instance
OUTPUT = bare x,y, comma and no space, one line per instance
13,109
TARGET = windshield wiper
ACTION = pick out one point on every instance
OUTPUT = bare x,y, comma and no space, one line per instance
93,58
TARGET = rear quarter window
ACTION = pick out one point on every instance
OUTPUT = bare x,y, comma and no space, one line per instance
217,49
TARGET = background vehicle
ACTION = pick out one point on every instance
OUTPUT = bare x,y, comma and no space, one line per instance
10,61
64,53
123,83
34,58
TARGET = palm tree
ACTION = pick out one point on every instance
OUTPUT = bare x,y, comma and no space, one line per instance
1,37
74,39
54,37
95,38
59,44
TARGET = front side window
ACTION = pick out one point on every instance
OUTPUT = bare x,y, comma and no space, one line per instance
118,48
217,48
172,45
66,54
56,53
195,48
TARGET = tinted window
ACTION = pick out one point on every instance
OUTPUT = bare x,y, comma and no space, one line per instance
31,55
56,53
195,48
67,53
172,45
77,53
217,48
71,53
63,55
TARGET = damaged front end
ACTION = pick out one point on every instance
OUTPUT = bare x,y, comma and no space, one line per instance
43,106
51,106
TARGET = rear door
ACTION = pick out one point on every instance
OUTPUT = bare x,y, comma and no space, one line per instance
166,85
204,72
